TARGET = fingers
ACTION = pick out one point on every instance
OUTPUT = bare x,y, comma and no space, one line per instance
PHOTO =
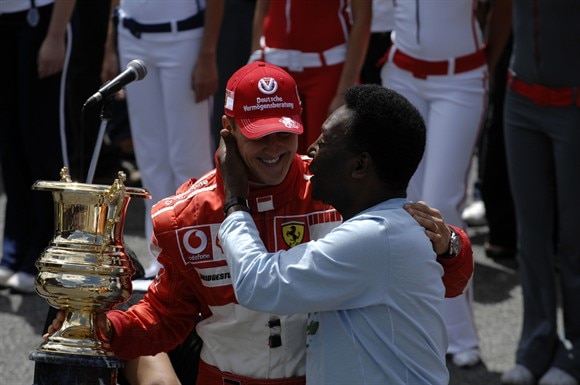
56,324
204,78
423,208
225,144
225,133
433,226
232,166
203,91
433,230
430,219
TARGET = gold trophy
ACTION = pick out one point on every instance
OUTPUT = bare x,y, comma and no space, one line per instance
84,270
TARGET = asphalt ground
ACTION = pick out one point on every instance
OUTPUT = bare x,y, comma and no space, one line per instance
497,304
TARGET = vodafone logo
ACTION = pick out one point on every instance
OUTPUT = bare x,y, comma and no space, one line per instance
268,86
195,241
195,244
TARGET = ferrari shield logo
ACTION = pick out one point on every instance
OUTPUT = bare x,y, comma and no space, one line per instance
293,233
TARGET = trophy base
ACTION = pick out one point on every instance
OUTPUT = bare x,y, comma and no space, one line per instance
68,369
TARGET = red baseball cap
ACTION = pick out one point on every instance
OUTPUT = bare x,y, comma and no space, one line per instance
263,98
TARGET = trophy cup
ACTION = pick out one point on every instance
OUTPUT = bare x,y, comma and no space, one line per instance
85,271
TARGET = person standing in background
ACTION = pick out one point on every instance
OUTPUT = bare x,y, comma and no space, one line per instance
33,46
542,136
451,94
382,23
169,111
495,190
233,50
316,43
89,23
492,197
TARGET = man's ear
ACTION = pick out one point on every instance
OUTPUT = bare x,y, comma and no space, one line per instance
361,165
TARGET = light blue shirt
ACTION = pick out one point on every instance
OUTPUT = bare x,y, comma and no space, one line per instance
372,287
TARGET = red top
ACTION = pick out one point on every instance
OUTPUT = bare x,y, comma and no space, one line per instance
306,25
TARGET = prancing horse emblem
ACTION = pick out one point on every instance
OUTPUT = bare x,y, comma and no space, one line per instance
293,233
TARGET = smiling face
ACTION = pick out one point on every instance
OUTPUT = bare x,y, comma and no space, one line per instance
331,164
268,158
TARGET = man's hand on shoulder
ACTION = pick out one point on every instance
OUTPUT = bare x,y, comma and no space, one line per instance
433,223
451,244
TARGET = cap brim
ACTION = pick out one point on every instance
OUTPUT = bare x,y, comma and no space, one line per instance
259,127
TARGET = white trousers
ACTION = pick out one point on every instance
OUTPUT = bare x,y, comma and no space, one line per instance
170,131
453,107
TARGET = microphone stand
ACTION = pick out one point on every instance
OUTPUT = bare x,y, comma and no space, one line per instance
106,114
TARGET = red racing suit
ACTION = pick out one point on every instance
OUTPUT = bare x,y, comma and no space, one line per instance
195,279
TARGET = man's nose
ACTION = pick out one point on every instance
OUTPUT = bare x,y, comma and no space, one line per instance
311,151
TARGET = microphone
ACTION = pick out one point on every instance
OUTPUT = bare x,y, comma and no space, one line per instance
136,70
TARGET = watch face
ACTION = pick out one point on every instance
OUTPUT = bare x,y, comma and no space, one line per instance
454,244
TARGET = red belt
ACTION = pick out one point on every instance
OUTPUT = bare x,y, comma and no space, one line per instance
210,375
423,68
545,96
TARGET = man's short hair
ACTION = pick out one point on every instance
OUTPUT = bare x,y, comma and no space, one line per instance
387,126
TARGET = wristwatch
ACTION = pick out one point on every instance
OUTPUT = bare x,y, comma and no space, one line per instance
454,245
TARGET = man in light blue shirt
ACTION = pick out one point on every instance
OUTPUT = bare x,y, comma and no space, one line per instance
372,286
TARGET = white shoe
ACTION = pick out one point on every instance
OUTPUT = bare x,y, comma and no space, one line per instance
21,282
5,274
557,376
518,375
474,214
466,358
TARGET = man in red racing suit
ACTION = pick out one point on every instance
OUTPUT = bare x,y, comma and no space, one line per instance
195,279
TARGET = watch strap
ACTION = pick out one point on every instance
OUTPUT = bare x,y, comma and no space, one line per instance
236,201
454,246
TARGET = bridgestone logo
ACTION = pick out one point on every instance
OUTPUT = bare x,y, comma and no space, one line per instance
215,277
